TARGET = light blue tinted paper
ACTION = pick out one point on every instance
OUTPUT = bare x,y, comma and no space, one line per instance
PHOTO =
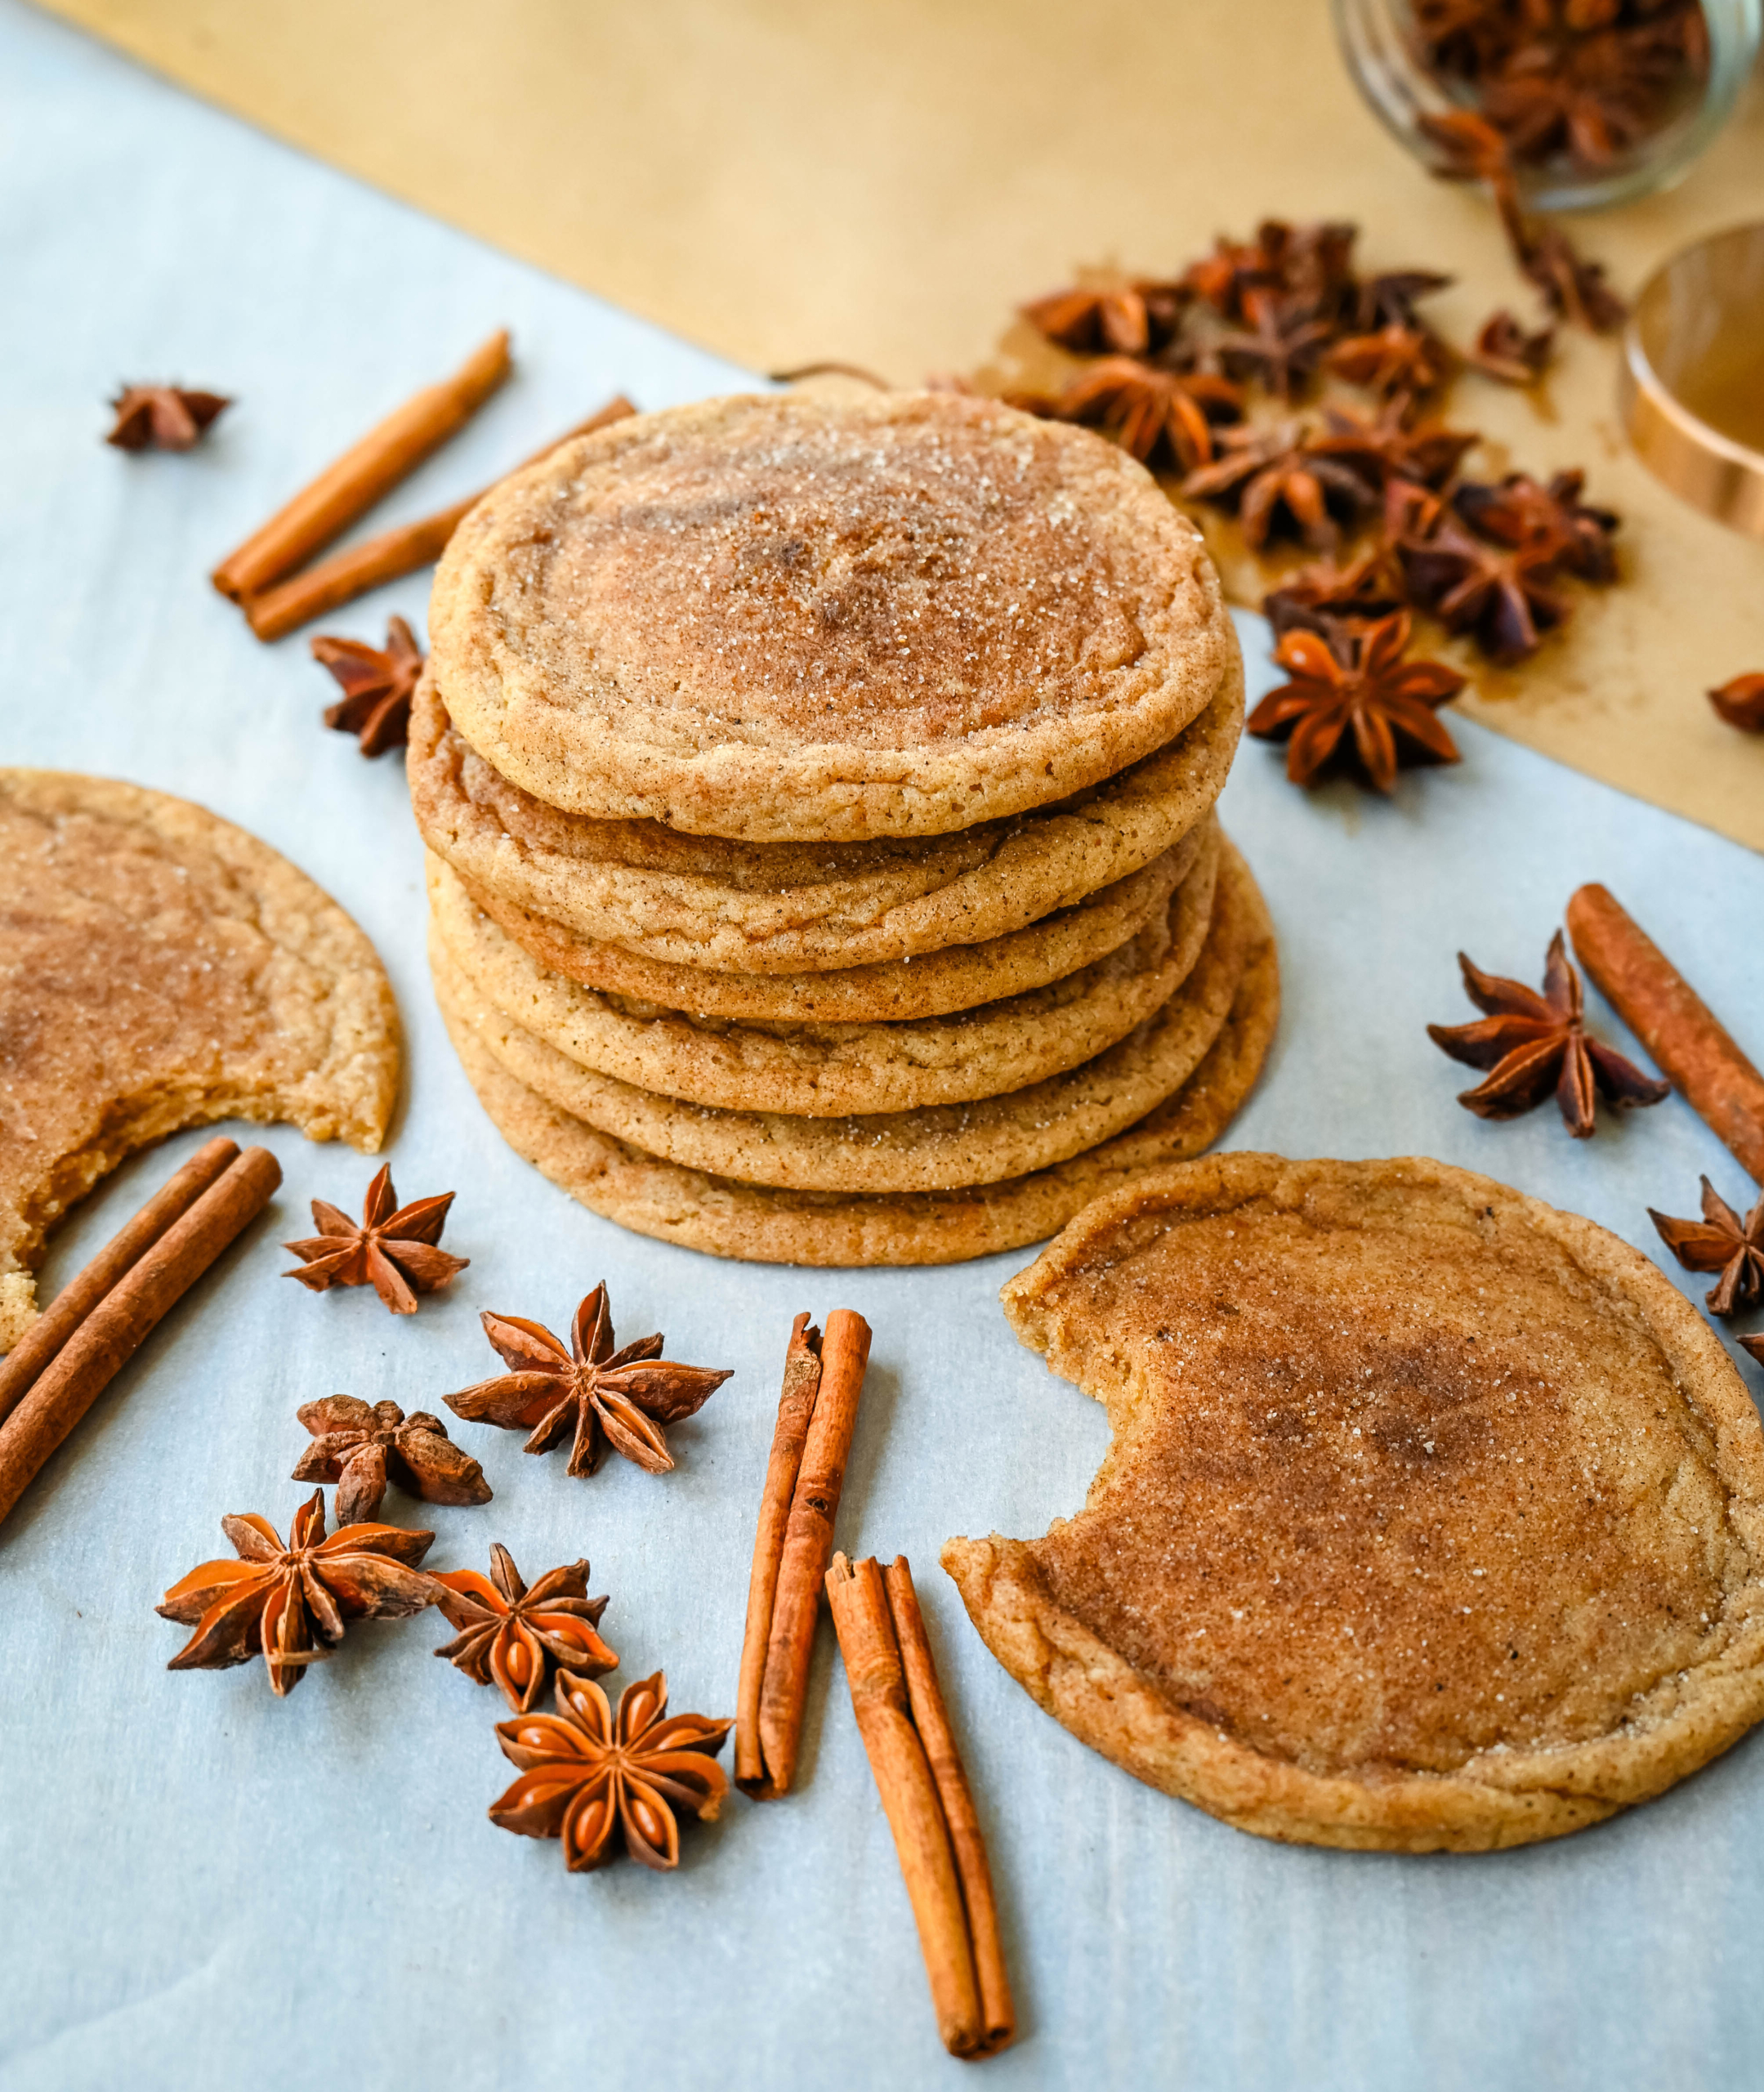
202,1887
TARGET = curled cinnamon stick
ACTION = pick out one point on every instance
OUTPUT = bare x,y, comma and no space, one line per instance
114,1330
82,1294
807,1543
910,1797
1678,1028
930,1717
330,582
370,468
796,1406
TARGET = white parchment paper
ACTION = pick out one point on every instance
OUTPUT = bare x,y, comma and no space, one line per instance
203,1887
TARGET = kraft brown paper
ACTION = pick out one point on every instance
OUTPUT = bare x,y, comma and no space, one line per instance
883,182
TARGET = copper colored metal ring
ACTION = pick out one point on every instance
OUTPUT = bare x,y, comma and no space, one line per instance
1691,381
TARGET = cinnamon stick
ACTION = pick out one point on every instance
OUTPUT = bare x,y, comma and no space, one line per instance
910,1797
796,1406
82,1294
1678,1028
808,1542
348,489
930,1717
114,1330
330,582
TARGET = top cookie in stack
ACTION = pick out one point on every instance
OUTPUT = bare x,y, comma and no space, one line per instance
820,803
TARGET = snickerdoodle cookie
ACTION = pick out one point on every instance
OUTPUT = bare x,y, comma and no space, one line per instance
784,619
959,977
160,967
1434,1517
700,1211
784,907
937,1147
827,1070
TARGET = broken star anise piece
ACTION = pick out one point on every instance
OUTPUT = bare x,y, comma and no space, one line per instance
1502,596
290,1605
1505,351
1389,447
1532,1044
1722,1242
164,416
591,1395
1320,597
588,1776
378,685
1389,300
1573,286
393,1252
1397,358
1372,702
510,1634
1155,414
1274,477
1129,321
1740,702
1518,510
359,1448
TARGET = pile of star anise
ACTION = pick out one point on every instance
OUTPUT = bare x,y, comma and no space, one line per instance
1174,370
1576,83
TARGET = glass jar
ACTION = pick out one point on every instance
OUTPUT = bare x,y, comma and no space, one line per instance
1379,41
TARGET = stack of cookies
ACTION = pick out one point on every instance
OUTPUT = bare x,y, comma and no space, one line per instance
819,798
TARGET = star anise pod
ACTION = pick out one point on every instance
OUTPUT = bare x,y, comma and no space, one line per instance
1462,38
1364,697
1586,99
1313,263
1533,1044
1130,320
1273,478
1222,277
360,1448
393,1251
1411,510
1518,512
377,685
1574,287
1318,597
587,1774
1722,1242
1391,447
509,1634
290,1605
1280,345
1153,414
165,416
1389,300
1470,148
1505,351
590,1394
1741,702
1503,596
1394,358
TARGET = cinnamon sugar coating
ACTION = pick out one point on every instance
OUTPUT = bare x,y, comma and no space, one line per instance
833,1229
932,1148
1433,1517
825,1071
769,908
958,978
784,619
158,968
